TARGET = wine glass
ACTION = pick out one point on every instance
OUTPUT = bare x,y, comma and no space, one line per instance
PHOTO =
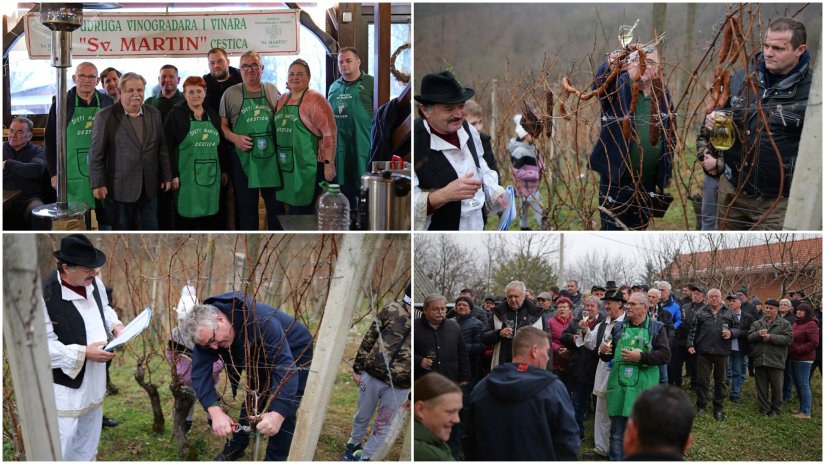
722,131
472,202
626,34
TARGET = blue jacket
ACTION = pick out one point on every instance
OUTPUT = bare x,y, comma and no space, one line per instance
609,156
673,306
277,347
520,413
24,170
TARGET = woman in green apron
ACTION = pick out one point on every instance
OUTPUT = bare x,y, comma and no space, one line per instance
305,137
198,154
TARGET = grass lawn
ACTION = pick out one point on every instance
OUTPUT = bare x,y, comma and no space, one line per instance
746,436
133,439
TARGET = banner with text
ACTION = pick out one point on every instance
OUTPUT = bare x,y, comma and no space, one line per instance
118,35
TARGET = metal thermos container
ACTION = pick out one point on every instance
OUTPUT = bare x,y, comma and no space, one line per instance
387,196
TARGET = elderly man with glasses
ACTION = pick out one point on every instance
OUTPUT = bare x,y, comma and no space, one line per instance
634,152
247,112
83,102
439,347
637,348
276,351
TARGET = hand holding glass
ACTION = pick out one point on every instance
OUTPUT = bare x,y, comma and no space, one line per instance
722,132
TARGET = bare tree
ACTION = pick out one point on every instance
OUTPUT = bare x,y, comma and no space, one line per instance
446,263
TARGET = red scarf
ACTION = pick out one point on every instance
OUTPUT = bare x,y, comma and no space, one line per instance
79,290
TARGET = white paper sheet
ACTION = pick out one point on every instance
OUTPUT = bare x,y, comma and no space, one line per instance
132,330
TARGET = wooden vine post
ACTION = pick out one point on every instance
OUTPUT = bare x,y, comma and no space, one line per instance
24,337
806,207
355,257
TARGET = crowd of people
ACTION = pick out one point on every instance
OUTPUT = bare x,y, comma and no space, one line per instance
198,159
519,375
745,187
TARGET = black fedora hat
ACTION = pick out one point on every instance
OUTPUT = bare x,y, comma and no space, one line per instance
614,296
78,250
443,88
610,285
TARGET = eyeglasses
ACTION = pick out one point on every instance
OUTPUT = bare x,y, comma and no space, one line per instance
85,77
438,310
253,66
212,340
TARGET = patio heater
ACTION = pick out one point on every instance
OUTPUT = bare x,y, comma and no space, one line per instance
61,19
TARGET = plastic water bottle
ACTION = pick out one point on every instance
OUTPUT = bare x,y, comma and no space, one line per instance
333,209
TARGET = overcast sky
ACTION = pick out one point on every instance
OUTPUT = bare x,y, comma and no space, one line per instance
577,244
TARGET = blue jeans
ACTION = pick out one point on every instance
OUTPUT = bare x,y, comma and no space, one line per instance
277,448
800,373
581,403
663,374
710,190
617,426
626,203
736,365
139,215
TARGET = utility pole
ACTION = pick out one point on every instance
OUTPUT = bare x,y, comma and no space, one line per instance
493,109
561,259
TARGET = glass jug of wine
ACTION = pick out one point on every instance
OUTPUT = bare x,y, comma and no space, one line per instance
722,133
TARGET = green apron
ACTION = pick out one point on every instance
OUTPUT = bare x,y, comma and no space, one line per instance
297,155
200,187
354,123
255,121
78,141
628,379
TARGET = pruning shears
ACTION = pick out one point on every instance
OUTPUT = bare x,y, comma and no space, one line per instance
241,428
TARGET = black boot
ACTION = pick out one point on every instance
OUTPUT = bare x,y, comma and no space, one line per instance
231,452
107,422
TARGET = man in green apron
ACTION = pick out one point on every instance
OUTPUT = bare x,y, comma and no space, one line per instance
351,98
82,104
246,112
638,347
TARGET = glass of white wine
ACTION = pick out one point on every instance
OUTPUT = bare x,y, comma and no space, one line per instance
722,132
626,34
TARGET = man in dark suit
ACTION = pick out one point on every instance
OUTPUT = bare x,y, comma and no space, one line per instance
128,158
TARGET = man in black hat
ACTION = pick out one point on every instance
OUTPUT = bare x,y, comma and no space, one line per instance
79,322
451,180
